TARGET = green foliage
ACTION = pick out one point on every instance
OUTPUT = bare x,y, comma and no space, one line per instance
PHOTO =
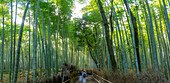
82,38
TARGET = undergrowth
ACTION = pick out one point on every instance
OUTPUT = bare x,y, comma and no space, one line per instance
116,77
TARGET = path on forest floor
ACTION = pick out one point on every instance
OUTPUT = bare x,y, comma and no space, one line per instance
89,79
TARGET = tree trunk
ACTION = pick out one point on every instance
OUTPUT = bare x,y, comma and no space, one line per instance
167,19
10,65
136,35
49,42
15,34
90,49
109,42
2,60
45,42
152,38
35,45
19,45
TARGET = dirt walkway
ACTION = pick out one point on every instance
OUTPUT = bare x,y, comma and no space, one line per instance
89,79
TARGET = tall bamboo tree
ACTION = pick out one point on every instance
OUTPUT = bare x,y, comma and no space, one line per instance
19,45
134,43
167,19
109,43
152,37
10,65
35,44
120,36
15,34
44,33
57,45
2,52
158,38
49,41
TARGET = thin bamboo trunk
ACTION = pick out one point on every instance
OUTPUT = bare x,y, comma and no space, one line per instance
123,51
133,39
147,29
109,44
19,45
35,45
165,51
15,36
142,48
28,65
10,64
44,33
57,45
152,38
158,38
167,19
49,42
128,42
2,55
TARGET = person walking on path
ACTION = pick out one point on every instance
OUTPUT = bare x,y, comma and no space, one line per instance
80,76
84,76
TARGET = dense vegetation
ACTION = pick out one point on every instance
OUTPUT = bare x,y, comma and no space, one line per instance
118,35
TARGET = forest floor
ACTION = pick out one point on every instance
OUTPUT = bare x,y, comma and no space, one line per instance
148,77
21,77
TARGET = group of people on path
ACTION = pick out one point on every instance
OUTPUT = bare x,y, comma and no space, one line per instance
82,76
68,69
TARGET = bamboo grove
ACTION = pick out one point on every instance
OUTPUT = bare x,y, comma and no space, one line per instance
118,35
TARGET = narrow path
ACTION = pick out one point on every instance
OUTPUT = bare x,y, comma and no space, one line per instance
89,79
